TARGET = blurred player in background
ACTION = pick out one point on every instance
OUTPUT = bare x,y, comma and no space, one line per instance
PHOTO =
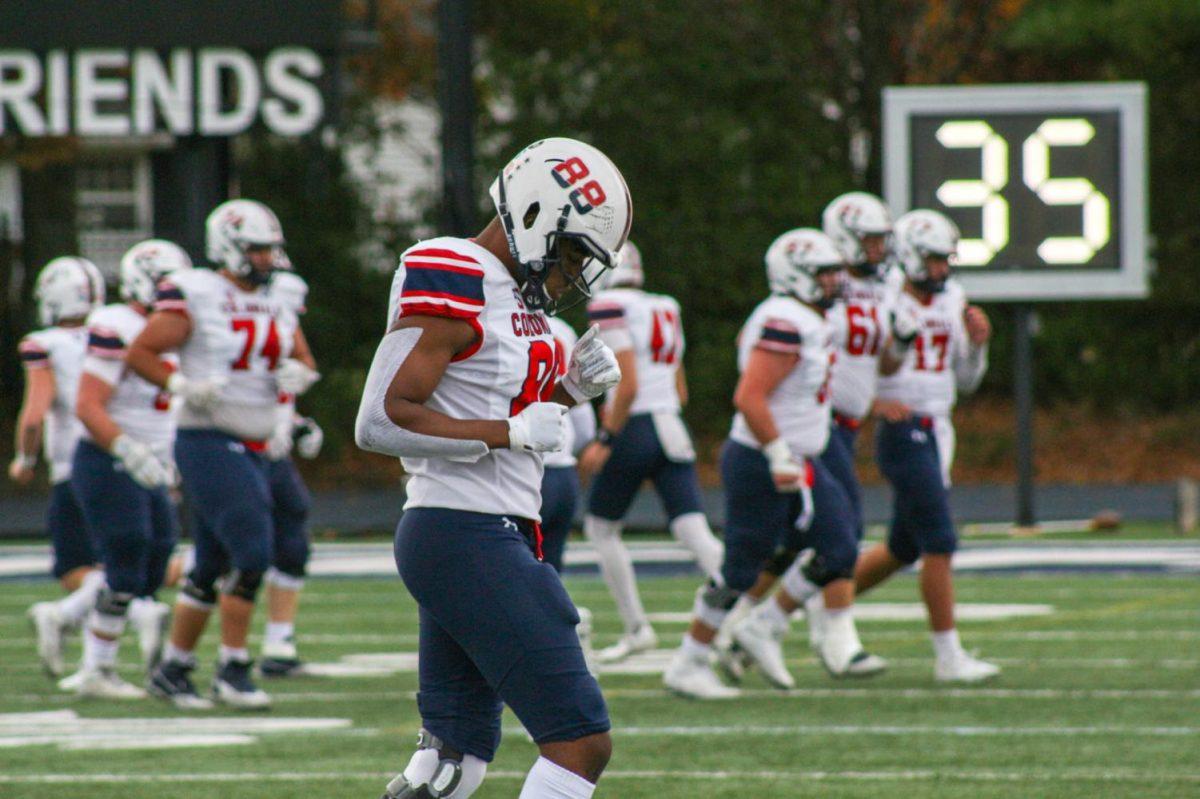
239,347
464,388
122,471
67,290
777,491
560,480
641,437
291,504
943,342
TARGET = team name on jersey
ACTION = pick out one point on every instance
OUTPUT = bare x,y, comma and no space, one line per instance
527,324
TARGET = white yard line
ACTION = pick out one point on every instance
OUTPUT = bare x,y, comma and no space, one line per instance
1098,775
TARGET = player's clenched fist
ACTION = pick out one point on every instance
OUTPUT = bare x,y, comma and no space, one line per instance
979,327
541,427
592,369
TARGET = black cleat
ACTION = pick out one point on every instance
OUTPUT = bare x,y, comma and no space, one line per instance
172,681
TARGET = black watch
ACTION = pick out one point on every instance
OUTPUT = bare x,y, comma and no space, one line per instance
605,437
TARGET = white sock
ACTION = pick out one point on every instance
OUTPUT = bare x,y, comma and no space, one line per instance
692,530
833,614
228,653
279,632
772,614
815,603
617,567
177,655
693,648
946,644
548,780
76,605
97,652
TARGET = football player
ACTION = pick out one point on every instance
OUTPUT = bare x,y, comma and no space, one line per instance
642,436
67,290
291,504
861,226
239,347
121,474
943,343
776,489
464,389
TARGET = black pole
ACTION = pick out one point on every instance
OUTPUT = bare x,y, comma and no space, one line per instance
1023,384
456,97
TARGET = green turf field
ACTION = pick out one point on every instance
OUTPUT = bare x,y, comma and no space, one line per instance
1100,698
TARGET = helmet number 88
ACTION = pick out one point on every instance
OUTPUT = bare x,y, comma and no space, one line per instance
985,193
586,197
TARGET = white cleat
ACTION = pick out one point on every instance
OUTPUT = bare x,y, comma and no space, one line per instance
50,627
642,639
842,653
693,676
762,641
150,623
102,683
962,667
814,615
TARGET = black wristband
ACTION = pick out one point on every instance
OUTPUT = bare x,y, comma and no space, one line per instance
604,437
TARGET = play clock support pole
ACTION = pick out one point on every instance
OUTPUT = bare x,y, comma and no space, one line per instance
1026,323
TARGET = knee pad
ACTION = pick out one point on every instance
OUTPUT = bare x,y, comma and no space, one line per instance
713,603
112,608
601,531
198,595
820,570
782,558
284,579
437,771
291,557
242,584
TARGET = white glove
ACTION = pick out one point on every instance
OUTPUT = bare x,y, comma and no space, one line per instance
785,470
202,394
309,438
592,369
905,327
542,427
141,464
279,445
294,377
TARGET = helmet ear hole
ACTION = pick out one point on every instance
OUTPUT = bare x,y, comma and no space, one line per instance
531,215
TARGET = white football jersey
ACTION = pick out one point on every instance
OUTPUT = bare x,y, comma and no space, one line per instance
292,290
513,363
141,409
60,349
861,324
800,403
940,358
240,335
650,325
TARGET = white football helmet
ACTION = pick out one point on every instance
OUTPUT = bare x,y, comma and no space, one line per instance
794,260
236,225
920,234
560,193
850,217
69,287
146,263
628,271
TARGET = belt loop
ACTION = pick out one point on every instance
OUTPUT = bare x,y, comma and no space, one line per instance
537,542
